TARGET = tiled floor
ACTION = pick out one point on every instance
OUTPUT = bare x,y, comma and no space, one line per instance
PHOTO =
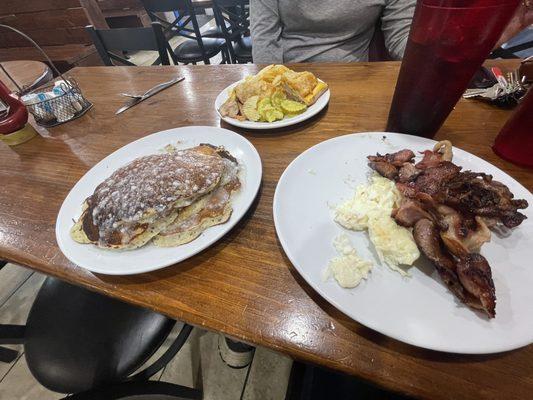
198,364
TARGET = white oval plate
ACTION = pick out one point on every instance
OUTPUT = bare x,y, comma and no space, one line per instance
150,257
418,310
321,102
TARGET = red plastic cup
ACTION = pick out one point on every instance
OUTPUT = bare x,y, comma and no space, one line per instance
515,141
448,42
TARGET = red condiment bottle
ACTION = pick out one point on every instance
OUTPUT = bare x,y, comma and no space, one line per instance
515,141
13,118
17,116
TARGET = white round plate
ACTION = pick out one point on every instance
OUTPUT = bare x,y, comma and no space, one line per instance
321,102
418,310
150,257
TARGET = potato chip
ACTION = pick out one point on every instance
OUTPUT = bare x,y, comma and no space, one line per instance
249,109
272,94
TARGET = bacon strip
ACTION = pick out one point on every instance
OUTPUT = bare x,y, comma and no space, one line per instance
450,212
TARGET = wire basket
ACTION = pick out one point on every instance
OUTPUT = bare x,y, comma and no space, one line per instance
67,104
54,103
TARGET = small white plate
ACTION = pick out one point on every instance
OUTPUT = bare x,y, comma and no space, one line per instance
321,102
418,310
150,257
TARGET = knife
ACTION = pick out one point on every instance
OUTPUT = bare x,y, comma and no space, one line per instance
149,93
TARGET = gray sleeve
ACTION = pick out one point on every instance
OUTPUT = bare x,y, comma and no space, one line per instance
395,24
265,27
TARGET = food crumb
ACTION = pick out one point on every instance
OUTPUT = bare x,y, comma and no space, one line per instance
169,148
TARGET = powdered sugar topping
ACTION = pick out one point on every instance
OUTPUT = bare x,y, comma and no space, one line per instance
152,186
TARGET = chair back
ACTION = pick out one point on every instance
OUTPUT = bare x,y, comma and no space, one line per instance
233,18
109,41
154,6
181,24
510,52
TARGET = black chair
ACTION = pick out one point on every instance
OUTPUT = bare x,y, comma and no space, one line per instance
519,46
110,41
233,18
510,52
308,382
215,32
6,355
195,48
91,345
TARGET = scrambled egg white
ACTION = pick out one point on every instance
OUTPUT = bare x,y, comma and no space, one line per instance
370,209
347,269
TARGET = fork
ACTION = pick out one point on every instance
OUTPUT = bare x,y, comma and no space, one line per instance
155,89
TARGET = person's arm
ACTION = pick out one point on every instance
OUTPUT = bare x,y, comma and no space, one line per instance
265,27
395,23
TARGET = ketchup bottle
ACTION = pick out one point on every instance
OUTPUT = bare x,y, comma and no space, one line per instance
17,115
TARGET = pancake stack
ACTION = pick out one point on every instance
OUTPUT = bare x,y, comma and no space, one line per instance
171,198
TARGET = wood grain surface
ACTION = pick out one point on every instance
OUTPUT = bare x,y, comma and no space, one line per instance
25,73
244,285
48,22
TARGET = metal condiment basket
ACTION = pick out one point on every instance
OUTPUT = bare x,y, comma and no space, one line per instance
68,102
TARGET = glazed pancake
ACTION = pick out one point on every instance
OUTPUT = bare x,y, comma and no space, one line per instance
211,209
145,196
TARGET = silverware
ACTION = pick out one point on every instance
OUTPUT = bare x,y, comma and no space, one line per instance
149,93
135,96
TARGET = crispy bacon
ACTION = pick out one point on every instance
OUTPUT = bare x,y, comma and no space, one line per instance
461,235
476,277
451,212
442,151
389,164
429,160
469,278
409,213
408,173
433,180
479,194
397,159
426,236
384,168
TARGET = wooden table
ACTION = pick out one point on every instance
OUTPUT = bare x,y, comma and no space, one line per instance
244,285
25,73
